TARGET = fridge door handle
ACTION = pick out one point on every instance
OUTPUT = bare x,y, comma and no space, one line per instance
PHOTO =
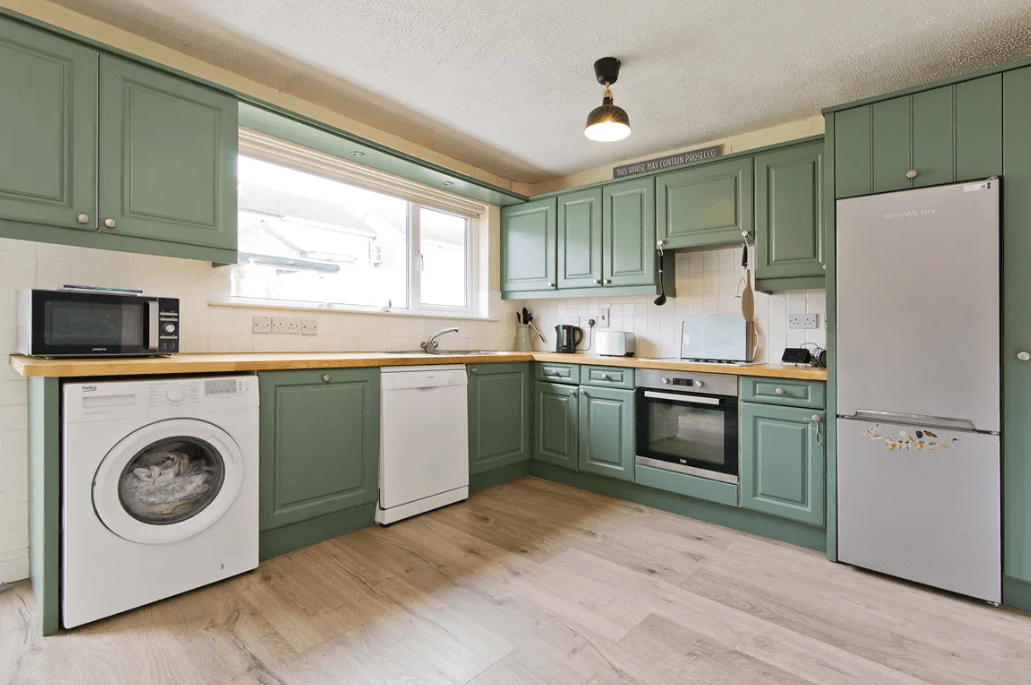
916,420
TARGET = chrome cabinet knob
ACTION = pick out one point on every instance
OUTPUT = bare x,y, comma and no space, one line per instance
1023,356
606,377
572,391
110,223
597,280
780,391
608,280
912,173
817,418
326,377
550,284
472,370
582,391
82,218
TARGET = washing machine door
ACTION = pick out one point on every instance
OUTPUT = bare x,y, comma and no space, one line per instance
168,481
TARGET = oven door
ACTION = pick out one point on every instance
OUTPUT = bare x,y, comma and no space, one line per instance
72,324
694,434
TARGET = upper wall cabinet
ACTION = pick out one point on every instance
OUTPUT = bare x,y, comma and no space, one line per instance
167,157
704,205
579,239
629,234
127,157
48,110
789,218
944,135
528,239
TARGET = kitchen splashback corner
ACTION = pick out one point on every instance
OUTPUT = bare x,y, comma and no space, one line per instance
708,282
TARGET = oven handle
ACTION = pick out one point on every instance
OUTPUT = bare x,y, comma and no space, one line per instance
688,399
152,330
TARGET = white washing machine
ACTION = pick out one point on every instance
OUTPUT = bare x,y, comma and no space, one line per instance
159,490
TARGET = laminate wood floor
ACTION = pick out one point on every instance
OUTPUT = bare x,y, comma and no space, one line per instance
538,583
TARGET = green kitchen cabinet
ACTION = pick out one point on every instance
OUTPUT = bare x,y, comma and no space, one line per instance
789,218
319,443
556,424
48,120
948,134
580,239
607,432
704,205
500,415
782,461
629,233
529,242
167,157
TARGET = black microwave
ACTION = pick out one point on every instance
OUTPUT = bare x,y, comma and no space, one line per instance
88,323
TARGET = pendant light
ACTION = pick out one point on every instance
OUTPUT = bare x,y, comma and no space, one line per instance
608,122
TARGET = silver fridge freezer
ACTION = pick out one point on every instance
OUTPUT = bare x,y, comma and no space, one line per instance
918,379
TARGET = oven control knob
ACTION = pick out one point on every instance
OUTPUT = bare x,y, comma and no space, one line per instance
667,381
698,384
169,328
174,394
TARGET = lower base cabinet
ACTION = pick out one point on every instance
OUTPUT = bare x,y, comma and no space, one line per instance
319,443
783,461
607,432
500,419
556,423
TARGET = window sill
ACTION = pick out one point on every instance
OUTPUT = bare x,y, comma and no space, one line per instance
342,309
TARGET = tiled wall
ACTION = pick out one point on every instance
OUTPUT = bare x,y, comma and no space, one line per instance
204,329
707,283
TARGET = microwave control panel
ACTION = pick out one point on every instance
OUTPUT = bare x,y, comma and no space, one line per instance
168,325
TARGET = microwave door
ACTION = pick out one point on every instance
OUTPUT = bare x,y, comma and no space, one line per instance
78,324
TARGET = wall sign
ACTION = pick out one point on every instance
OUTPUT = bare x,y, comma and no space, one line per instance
668,161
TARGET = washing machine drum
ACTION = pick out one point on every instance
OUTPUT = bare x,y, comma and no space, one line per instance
168,481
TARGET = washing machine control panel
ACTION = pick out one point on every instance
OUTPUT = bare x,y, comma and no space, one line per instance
105,400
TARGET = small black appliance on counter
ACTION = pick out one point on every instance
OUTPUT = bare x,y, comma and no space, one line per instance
567,338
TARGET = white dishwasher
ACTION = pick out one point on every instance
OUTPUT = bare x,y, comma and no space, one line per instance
424,439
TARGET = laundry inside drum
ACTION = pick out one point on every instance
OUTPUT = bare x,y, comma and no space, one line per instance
171,480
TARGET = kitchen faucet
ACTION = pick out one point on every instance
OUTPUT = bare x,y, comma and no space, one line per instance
431,345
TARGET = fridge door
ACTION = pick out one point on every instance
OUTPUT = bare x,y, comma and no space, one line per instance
921,505
918,303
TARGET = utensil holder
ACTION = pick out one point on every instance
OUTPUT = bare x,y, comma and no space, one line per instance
522,340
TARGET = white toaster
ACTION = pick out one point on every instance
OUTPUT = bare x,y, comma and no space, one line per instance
615,343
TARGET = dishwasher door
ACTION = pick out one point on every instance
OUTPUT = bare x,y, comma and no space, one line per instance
424,439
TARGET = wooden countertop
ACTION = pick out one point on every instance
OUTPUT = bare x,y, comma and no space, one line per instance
224,363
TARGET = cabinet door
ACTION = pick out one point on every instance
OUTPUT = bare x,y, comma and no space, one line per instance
555,424
933,126
892,145
48,128
705,205
629,236
167,157
782,461
579,239
319,443
979,128
853,157
499,415
789,212
528,242
607,432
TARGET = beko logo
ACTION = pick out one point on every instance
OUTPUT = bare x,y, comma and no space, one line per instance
89,388
910,214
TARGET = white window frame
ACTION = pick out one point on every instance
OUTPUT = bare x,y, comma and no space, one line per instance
284,153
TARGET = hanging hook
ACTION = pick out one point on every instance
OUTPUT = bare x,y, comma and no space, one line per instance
744,237
659,245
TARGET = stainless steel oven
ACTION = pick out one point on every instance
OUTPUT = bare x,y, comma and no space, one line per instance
95,323
687,422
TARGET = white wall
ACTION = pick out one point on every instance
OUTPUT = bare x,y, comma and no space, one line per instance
707,283
204,329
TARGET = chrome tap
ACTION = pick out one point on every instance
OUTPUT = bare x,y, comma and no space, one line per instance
431,345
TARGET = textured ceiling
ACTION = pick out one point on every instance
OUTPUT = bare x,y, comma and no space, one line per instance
506,86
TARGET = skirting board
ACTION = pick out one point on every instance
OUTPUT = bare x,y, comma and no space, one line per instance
711,512
1016,593
14,566
272,543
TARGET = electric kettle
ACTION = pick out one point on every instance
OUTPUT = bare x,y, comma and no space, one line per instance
567,338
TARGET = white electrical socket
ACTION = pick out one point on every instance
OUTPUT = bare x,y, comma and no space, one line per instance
802,321
261,324
310,327
603,317
286,325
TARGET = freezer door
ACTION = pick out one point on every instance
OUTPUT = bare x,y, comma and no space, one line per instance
918,303
921,505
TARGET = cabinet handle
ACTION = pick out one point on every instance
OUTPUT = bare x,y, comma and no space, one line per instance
912,173
780,391
606,377
572,391
472,370
816,423
582,391
110,223
597,281
550,284
326,377
1023,356
82,218
607,281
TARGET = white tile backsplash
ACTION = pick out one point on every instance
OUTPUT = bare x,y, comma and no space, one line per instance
25,264
708,282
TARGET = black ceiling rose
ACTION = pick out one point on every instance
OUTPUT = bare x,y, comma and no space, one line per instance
607,70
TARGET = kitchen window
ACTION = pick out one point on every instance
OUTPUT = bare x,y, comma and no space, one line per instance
315,230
